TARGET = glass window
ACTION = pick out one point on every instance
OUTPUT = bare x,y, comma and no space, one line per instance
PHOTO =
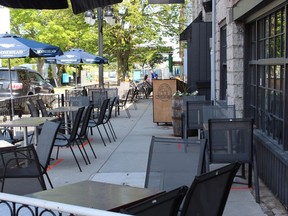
266,74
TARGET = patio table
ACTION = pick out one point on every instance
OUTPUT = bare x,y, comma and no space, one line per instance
65,110
28,122
98,195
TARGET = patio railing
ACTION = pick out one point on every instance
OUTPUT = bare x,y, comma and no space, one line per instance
20,106
19,205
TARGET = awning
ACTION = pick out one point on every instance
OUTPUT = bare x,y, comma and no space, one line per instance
185,35
78,6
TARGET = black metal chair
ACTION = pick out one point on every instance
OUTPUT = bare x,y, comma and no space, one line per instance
34,112
122,103
134,97
79,101
82,134
19,164
108,117
218,112
100,121
207,196
173,162
98,96
193,116
231,140
42,108
45,145
64,140
166,204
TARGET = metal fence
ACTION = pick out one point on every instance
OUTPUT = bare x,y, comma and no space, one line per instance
272,165
14,205
20,107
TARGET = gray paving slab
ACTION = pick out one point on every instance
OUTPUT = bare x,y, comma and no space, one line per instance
125,161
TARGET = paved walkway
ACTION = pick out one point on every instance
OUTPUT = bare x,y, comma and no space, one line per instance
125,161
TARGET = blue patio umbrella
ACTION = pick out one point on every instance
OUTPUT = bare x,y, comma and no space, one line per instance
13,46
79,56
76,57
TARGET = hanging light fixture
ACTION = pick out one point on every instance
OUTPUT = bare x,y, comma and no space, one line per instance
109,15
90,17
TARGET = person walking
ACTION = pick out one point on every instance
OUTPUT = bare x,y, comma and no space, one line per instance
154,75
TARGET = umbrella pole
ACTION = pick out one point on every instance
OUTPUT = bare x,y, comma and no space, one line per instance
76,76
11,93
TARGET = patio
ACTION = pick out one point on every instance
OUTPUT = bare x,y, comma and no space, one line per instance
115,162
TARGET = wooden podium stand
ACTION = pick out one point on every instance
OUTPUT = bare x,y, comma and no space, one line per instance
163,91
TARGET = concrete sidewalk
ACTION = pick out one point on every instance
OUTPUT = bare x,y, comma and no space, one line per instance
124,161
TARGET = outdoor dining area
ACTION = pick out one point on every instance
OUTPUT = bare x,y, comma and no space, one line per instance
177,173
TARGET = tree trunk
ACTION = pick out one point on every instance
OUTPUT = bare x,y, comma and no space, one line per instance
123,66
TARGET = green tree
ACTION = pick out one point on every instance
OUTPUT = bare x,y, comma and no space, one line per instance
139,33
138,36
57,27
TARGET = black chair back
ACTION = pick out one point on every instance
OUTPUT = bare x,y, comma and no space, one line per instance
103,109
45,145
173,162
76,124
85,122
166,204
32,108
46,141
230,140
98,96
79,101
208,193
11,167
110,109
42,108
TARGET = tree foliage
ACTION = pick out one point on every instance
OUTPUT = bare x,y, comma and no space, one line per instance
137,38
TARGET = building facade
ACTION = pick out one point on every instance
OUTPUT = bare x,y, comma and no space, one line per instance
251,66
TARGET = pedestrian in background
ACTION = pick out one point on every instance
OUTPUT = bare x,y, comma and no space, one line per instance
154,75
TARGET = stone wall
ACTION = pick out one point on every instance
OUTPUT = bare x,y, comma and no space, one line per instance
235,55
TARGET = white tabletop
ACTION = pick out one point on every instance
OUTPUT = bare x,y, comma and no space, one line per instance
65,109
27,122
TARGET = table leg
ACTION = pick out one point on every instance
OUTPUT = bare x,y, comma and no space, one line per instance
36,135
25,136
66,123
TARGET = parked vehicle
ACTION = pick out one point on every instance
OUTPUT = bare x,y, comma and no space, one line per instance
24,82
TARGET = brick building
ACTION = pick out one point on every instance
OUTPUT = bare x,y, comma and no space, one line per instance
249,69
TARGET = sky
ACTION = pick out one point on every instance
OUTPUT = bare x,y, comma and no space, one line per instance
4,20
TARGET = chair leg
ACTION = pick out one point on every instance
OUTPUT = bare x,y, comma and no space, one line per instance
82,140
101,136
75,158
113,131
49,180
128,113
2,186
86,161
91,146
106,133
57,153
42,182
256,179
